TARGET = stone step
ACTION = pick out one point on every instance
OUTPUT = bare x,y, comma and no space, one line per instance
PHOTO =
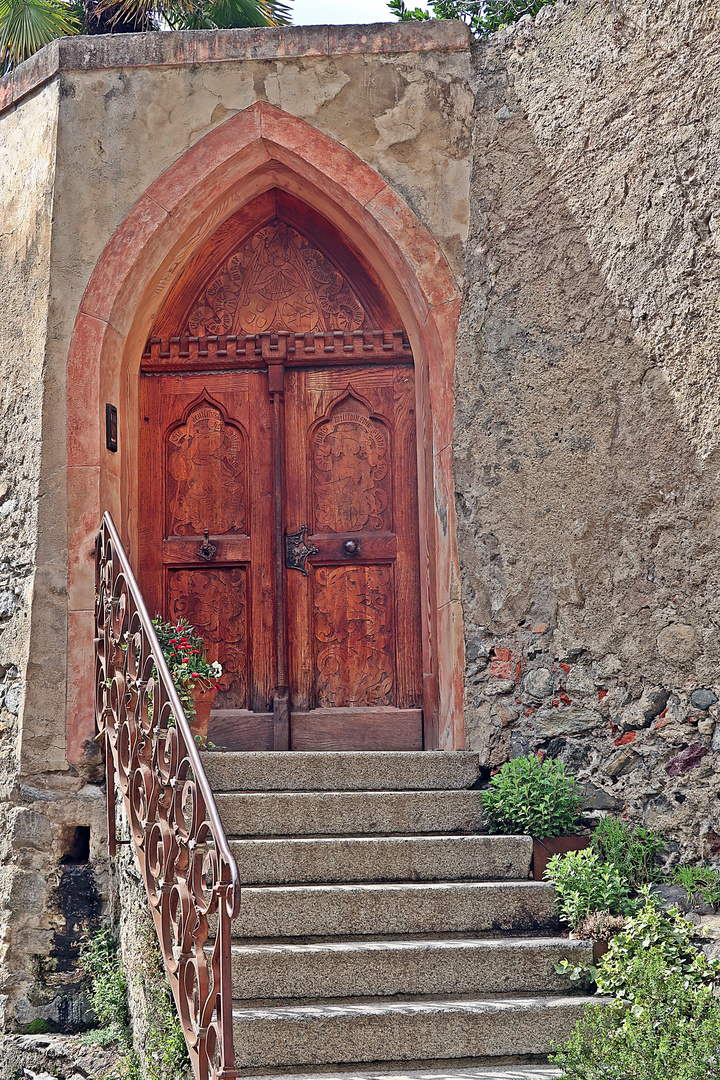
430,908
442,1072
436,966
382,858
342,771
349,813
410,1030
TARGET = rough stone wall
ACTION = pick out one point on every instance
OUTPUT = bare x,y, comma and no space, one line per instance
586,445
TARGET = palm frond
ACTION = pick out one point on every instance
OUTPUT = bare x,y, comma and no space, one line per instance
27,25
204,14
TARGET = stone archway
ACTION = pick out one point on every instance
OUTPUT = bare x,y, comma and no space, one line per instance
256,149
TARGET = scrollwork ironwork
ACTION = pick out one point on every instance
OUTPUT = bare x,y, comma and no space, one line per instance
190,875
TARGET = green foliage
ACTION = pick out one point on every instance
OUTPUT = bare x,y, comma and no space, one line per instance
701,882
27,25
482,16
532,797
664,1020
165,1050
102,967
667,936
671,1033
632,850
584,884
38,1027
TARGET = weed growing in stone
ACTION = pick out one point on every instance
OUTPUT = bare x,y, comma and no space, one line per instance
102,967
700,882
632,850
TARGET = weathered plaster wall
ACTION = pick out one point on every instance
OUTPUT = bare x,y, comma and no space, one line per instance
588,390
127,109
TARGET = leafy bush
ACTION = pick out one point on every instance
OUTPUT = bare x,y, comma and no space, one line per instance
700,882
633,850
671,1033
532,797
584,884
667,936
482,16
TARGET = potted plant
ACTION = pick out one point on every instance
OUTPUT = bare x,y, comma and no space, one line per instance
539,799
195,677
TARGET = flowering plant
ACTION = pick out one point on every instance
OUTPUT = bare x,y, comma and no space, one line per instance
184,652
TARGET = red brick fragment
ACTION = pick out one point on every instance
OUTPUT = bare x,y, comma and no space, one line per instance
624,739
539,628
662,716
565,667
541,755
501,653
602,694
565,699
517,671
555,704
500,669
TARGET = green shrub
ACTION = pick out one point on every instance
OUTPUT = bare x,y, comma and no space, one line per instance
533,797
102,967
584,884
701,882
632,850
672,1032
665,934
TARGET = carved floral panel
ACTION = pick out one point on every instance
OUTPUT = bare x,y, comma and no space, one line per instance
351,471
353,636
276,282
206,475
215,602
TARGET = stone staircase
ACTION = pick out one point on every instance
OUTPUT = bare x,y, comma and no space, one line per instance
377,929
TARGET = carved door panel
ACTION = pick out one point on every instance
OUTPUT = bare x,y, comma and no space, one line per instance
354,636
205,450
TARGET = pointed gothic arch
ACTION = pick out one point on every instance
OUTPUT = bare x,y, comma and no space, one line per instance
256,151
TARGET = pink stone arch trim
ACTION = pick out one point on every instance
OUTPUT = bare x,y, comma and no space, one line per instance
258,148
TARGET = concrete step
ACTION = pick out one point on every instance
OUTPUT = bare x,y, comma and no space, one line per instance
376,858
349,813
410,1030
437,966
342,771
442,1072
430,908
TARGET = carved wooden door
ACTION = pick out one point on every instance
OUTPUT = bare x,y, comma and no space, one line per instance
279,393
205,444
354,620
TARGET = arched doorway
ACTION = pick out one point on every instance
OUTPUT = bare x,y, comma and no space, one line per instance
278,434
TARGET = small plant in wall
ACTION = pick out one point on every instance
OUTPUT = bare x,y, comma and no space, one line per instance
195,677
538,799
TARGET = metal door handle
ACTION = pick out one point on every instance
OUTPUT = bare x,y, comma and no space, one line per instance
297,551
351,547
206,550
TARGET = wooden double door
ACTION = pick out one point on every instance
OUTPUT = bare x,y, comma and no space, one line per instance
307,589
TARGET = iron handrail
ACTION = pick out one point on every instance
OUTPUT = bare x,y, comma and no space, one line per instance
188,869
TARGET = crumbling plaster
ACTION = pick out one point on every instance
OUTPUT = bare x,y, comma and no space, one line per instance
586,468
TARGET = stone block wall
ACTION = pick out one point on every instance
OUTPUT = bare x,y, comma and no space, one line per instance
588,400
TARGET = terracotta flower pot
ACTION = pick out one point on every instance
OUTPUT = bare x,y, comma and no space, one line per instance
599,949
203,695
544,849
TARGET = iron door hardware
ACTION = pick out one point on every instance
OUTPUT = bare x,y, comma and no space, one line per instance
297,551
351,547
206,550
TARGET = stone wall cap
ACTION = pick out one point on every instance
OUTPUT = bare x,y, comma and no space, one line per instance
176,48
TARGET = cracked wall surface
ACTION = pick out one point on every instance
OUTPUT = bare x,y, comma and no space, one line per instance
586,466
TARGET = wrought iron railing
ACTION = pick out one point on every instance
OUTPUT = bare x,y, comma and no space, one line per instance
189,872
